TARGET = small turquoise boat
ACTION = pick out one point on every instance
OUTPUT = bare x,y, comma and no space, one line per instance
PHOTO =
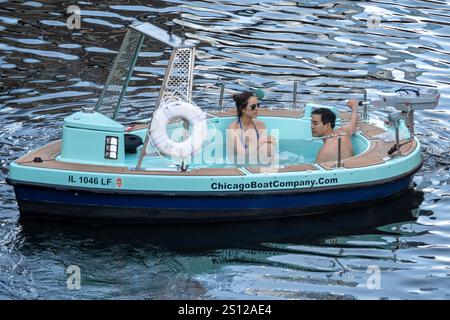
104,171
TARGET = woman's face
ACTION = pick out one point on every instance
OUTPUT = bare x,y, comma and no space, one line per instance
252,108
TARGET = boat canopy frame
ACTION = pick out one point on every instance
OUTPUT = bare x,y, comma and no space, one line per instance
177,82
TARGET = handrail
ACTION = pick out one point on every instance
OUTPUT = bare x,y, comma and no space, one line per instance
294,95
334,135
339,151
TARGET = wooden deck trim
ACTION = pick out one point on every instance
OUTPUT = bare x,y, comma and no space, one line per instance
140,126
48,152
284,113
345,116
135,127
59,165
369,130
376,154
292,168
195,172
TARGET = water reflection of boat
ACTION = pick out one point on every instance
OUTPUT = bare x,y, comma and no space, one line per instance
307,229
101,170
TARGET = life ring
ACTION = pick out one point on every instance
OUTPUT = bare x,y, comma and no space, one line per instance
161,119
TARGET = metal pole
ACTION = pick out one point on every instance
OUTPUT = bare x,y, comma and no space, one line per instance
143,151
294,98
365,105
222,92
170,25
127,80
410,121
183,166
339,153
183,35
397,137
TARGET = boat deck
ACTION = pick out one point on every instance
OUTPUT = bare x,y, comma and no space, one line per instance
377,153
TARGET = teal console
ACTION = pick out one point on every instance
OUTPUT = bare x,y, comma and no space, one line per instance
91,138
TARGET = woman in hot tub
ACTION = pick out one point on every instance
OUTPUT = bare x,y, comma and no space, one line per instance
247,138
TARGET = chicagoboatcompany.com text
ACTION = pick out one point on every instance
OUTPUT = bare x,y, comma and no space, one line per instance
272,184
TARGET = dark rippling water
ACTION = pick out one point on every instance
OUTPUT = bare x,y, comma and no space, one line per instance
332,48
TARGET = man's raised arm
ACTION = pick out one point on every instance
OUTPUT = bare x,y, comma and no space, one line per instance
351,127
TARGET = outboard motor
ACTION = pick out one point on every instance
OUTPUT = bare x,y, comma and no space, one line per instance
411,98
405,100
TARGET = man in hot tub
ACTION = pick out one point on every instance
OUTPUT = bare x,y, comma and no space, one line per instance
322,125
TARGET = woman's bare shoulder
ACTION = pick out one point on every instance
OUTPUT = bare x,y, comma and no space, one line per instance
259,124
233,125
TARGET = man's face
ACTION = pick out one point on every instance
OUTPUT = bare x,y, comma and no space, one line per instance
318,129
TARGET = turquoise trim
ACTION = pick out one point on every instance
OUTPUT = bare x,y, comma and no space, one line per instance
139,182
92,121
84,142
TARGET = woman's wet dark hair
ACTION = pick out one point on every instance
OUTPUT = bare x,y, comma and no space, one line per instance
241,101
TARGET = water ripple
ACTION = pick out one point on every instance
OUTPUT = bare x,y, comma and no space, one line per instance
335,49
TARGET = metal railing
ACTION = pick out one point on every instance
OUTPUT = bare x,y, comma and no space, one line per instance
339,136
116,85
